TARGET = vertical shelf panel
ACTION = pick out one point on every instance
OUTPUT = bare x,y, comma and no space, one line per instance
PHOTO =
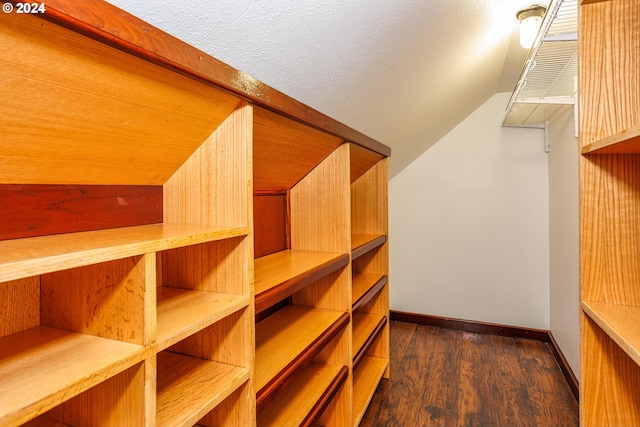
609,210
320,221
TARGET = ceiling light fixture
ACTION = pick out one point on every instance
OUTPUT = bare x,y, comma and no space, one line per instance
530,19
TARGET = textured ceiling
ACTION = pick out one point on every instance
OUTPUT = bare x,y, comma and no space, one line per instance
404,72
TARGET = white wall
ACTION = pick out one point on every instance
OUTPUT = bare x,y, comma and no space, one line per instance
564,238
469,228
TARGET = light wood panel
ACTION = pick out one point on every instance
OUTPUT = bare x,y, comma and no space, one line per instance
304,398
362,160
286,150
609,211
365,287
369,195
627,141
38,255
609,395
282,274
608,69
363,243
182,313
610,232
281,338
20,303
214,186
109,300
320,205
120,401
76,111
366,378
74,363
620,323
189,388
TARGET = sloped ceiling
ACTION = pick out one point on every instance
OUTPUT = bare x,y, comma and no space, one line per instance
404,72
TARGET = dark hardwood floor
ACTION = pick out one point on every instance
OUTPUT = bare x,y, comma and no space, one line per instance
452,378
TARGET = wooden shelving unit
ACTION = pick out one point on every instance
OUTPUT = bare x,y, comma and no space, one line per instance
370,291
610,208
234,306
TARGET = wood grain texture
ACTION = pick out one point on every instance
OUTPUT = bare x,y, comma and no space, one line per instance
363,243
279,275
105,300
303,400
625,141
75,363
184,312
113,26
285,150
38,210
118,401
365,380
365,287
610,233
362,160
319,206
446,377
270,223
28,257
369,201
19,305
213,187
365,334
189,388
77,111
284,337
608,69
620,323
609,395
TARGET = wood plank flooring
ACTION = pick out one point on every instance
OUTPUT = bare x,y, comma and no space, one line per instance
451,378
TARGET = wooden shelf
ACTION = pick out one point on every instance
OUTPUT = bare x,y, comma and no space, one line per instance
189,388
365,287
363,243
366,327
59,366
626,142
183,312
289,339
366,379
305,397
38,255
281,274
620,322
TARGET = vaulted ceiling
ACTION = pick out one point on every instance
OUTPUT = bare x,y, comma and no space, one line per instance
404,72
